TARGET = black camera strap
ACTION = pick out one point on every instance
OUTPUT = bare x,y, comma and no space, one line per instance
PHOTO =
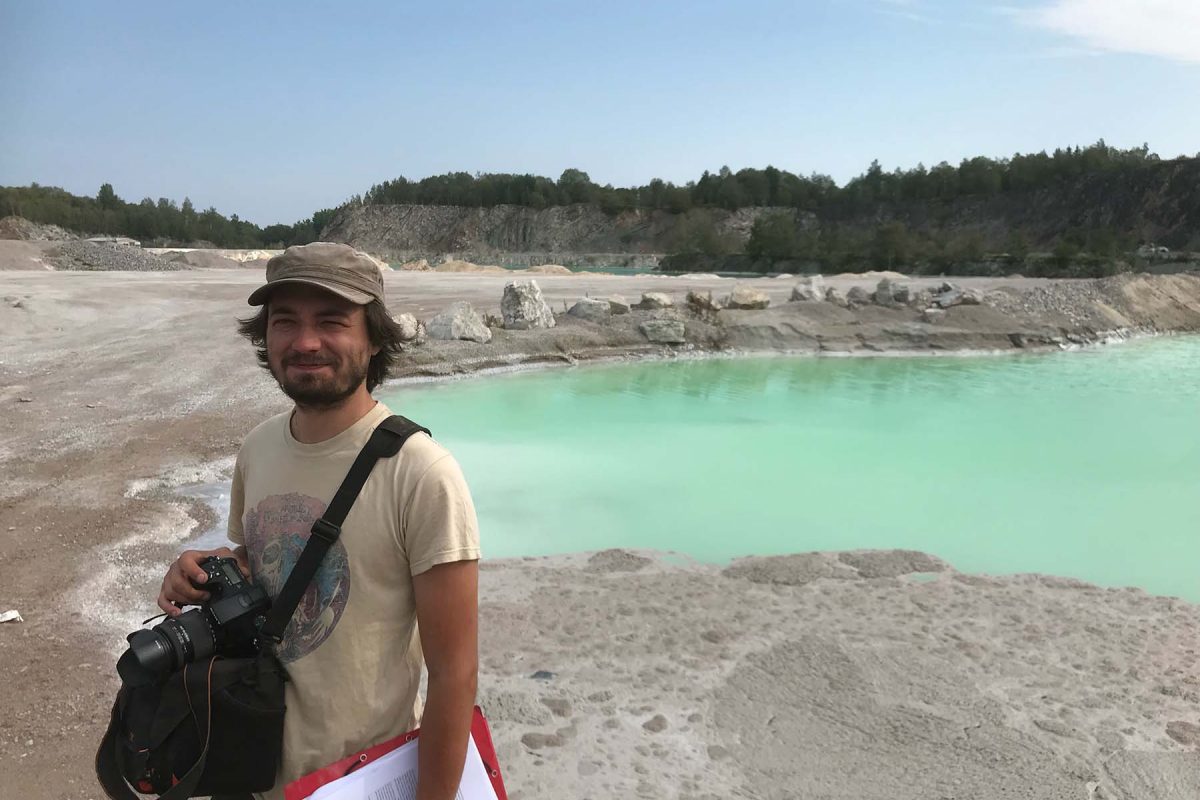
385,442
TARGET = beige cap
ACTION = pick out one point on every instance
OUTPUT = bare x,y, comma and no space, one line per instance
336,268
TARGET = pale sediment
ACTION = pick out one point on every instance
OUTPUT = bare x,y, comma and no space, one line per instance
817,676
837,676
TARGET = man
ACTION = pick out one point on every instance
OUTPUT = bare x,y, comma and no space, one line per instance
401,581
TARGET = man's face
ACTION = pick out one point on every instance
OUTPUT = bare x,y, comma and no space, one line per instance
317,345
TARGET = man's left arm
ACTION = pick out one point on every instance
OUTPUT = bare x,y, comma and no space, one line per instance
447,618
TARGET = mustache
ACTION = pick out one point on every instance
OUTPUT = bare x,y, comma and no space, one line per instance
309,361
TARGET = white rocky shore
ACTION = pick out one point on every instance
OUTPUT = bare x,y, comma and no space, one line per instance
869,675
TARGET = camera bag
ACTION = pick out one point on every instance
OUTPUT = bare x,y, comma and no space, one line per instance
215,726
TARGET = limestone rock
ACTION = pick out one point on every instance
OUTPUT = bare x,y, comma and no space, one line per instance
703,302
858,296
933,315
810,289
883,293
410,329
958,297
837,297
890,293
617,304
524,308
420,265
652,301
459,321
744,297
592,310
663,331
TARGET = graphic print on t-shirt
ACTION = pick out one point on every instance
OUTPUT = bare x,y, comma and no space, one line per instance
276,531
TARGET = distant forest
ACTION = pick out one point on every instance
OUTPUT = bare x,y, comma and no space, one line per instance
769,187
163,221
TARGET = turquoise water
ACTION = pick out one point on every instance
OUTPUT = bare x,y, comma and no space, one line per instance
1083,464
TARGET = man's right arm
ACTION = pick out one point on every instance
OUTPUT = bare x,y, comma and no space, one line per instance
177,587
177,590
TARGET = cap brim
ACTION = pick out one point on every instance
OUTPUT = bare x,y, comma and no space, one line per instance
259,296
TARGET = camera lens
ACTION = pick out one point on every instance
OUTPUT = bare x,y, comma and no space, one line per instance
155,653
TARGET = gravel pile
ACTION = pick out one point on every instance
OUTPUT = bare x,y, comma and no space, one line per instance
1075,300
109,257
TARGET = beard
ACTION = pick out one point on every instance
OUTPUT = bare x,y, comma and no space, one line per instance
318,390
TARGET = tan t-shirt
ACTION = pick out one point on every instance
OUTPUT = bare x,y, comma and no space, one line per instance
351,651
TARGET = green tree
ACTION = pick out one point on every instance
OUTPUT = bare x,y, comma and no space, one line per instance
696,234
891,245
1017,246
106,198
772,237
1064,254
575,186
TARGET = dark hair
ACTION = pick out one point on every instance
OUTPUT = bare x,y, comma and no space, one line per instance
382,330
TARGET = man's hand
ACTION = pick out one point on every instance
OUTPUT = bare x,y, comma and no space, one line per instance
177,589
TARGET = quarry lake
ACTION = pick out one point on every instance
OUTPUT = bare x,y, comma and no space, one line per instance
1084,464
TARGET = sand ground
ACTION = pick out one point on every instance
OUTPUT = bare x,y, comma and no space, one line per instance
819,676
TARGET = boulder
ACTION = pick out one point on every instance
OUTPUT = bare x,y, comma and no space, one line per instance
459,321
933,315
746,298
524,308
617,304
810,289
858,296
958,297
947,299
890,293
836,296
652,301
920,299
591,310
883,293
420,265
703,302
663,331
410,329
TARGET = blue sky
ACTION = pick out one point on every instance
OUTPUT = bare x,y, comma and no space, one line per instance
271,110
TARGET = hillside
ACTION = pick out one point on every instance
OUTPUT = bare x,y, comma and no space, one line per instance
1105,213
505,232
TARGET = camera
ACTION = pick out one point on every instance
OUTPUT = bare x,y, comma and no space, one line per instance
226,624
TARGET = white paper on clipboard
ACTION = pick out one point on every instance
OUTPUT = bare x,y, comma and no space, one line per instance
394,777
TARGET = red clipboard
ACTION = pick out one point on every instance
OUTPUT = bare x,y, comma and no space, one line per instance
303,787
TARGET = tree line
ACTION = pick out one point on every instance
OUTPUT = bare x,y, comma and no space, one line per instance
1077,252
770,186
779,243
165,221
161,221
